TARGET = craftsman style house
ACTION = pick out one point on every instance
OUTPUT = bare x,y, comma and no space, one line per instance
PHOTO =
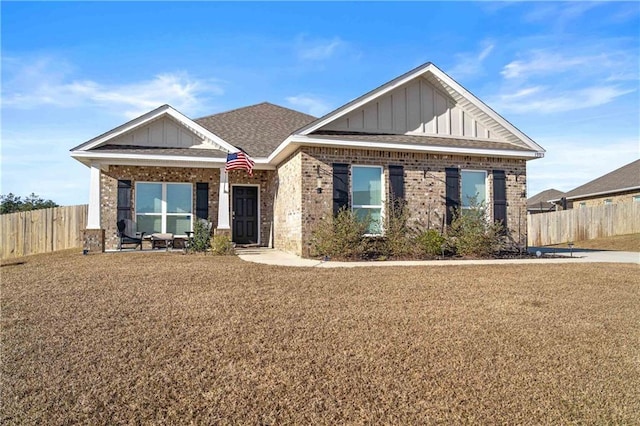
421,137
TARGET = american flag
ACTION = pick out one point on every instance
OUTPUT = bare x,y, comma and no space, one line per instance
239,160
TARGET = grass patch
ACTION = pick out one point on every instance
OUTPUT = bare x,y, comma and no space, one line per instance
168,338
629,242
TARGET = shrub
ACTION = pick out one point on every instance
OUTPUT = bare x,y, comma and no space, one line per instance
398,238
473,234
339,236
222,245
431,242
201,240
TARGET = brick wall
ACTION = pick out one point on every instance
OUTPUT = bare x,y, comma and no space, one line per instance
625,197
288,205
424,177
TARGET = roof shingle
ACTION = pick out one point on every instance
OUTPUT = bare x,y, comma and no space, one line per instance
625,177
257,129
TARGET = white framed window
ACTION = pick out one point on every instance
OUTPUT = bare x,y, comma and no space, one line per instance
608,201
582,204
636,198
164,207
367,196
473,188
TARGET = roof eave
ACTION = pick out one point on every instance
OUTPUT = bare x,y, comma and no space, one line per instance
301,140
595,194
104,158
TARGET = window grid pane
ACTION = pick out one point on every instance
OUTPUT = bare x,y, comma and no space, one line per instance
149,198
473,185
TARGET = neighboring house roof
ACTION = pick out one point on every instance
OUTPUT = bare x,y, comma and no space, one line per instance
626,178
542,200
257,129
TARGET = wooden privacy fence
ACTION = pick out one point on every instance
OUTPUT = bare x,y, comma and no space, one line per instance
42,231
583,223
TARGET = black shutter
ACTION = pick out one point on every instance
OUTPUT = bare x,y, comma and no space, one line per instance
124,199
499,197
340,187
452,192
202,200
396,182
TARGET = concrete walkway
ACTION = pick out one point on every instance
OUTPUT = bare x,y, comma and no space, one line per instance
270,256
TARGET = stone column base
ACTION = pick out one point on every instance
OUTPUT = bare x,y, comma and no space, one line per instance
93,240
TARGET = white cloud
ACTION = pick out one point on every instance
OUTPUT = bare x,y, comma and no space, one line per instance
46,81
318,50
550,101
310,104
470,64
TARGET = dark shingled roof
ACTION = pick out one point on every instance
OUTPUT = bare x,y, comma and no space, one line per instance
541,201
416,140
625,177
257,129
147,150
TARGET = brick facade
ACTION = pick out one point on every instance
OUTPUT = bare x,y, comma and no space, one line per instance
424,180
290,207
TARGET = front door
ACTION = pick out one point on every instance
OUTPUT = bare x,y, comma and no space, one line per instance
245,214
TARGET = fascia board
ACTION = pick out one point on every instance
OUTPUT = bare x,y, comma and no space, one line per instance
595,194
158,160
305,140
151,116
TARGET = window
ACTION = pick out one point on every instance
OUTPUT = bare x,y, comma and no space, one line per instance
583,204
366,196
607,201
164,207
473,188
636,198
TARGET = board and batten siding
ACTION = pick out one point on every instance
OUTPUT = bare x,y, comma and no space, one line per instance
417,107
163,132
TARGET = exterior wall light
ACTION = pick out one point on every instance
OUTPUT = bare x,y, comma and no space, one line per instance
318,180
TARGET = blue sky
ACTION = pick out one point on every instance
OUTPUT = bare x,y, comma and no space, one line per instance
566,74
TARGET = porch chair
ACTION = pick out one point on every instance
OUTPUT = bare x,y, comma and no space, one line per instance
128,235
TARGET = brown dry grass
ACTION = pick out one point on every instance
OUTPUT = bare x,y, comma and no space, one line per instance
151,338
629,242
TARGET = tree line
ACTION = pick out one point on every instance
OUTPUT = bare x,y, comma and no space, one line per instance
11,203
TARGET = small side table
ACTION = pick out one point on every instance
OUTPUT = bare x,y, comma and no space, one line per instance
161,241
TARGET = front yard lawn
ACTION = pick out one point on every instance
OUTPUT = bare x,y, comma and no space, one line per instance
171,338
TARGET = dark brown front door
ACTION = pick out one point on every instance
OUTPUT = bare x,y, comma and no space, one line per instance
245,214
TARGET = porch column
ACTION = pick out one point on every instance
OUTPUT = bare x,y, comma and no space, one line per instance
223,201
93,236
93,215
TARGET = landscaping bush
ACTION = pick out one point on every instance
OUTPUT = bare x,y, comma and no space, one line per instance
473,234
201,241
222,245
431,242
398,237
340,236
